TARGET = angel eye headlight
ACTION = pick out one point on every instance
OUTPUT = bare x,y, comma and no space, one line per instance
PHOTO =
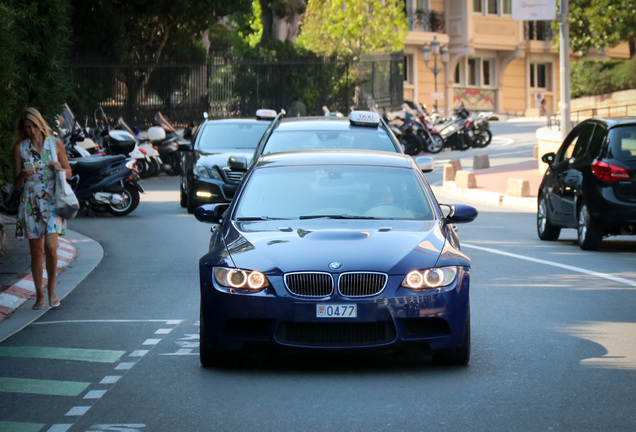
436,277
240,279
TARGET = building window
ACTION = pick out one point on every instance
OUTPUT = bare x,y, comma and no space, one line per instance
492,7
408,69
478,72
540,76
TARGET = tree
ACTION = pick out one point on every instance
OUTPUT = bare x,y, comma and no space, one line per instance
280,19
354,27
34,47
602,24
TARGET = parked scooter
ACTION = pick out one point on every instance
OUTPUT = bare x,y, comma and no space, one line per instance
431,139
406,133
106,184
119,139
165,138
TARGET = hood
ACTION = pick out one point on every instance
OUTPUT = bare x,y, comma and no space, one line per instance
221,156
394,247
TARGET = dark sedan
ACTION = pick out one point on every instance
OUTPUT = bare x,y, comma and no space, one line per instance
333,251
207,174
590,183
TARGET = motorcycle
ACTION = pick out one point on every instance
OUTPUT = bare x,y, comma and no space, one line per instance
431,139
121,140
77,141
106,184
480,129
165,138
406,133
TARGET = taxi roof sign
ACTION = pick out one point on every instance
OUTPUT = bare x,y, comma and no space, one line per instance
364,118
266,114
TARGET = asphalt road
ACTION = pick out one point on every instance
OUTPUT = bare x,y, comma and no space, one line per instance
554,340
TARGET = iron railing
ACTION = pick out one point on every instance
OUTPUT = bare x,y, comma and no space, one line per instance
426,21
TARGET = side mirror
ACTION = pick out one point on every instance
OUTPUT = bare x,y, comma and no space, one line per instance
548,158
460,213
425,163
185,146
211,213
237,163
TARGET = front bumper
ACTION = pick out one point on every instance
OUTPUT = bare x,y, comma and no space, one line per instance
430,320
208,191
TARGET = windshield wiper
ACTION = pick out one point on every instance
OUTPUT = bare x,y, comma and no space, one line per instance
257,218
335,216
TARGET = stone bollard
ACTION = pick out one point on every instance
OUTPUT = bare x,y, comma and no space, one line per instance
518,188
457,164
449,173
465,180
481,162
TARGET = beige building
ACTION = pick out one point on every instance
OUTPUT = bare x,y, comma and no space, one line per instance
492,62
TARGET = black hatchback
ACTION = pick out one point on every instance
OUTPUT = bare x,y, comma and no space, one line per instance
590,183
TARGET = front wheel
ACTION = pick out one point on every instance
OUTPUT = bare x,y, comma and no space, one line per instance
211,357
589,235
436,145
130,202
482,138
545,229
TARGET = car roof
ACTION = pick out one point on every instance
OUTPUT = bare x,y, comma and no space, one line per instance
313,123
337,157
238,120
614,121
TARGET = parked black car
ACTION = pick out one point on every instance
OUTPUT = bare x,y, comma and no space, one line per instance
207,175
590,183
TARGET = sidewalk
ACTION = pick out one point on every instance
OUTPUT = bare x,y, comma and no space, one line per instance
77,257
492,183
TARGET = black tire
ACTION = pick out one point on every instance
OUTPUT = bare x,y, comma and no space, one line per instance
142,167
459,356
191,203
211,357
412,144
436,145
131,201
482,138
545,229
589,235
183,198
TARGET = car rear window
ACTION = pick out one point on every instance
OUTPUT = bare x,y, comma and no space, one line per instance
231,135
352,139
622,143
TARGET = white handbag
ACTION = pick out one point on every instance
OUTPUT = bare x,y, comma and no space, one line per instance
66,202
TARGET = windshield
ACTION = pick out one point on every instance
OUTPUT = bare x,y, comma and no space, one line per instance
355,138
342,192
622,143
216,136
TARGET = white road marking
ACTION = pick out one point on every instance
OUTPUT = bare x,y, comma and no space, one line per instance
553,264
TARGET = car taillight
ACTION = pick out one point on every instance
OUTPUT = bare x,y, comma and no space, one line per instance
609,173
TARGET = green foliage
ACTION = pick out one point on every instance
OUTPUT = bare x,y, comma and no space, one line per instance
594,77
354,27
34,45
601,24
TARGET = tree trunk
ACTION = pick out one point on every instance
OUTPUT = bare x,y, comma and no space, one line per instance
281,19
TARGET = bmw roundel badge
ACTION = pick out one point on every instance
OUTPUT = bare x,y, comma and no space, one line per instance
335,265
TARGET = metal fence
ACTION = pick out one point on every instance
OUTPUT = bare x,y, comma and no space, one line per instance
225,86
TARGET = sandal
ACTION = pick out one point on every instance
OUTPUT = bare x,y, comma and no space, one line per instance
54,302
39,305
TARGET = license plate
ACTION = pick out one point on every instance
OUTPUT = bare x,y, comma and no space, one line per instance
336,311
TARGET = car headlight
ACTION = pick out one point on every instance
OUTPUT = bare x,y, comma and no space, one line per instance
240,279
436,277
205,172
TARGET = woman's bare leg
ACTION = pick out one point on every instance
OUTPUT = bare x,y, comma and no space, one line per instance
50,251
37,252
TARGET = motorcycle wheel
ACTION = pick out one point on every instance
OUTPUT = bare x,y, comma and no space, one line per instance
131,201
435,146
412,144
482,138
142,167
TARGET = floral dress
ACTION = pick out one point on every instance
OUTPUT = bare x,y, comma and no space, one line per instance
37,216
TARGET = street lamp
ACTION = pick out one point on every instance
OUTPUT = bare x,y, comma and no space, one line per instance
435,49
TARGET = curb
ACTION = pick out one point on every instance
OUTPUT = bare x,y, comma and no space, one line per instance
488,197
19,290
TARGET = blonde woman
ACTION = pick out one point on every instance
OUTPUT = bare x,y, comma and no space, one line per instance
37,221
